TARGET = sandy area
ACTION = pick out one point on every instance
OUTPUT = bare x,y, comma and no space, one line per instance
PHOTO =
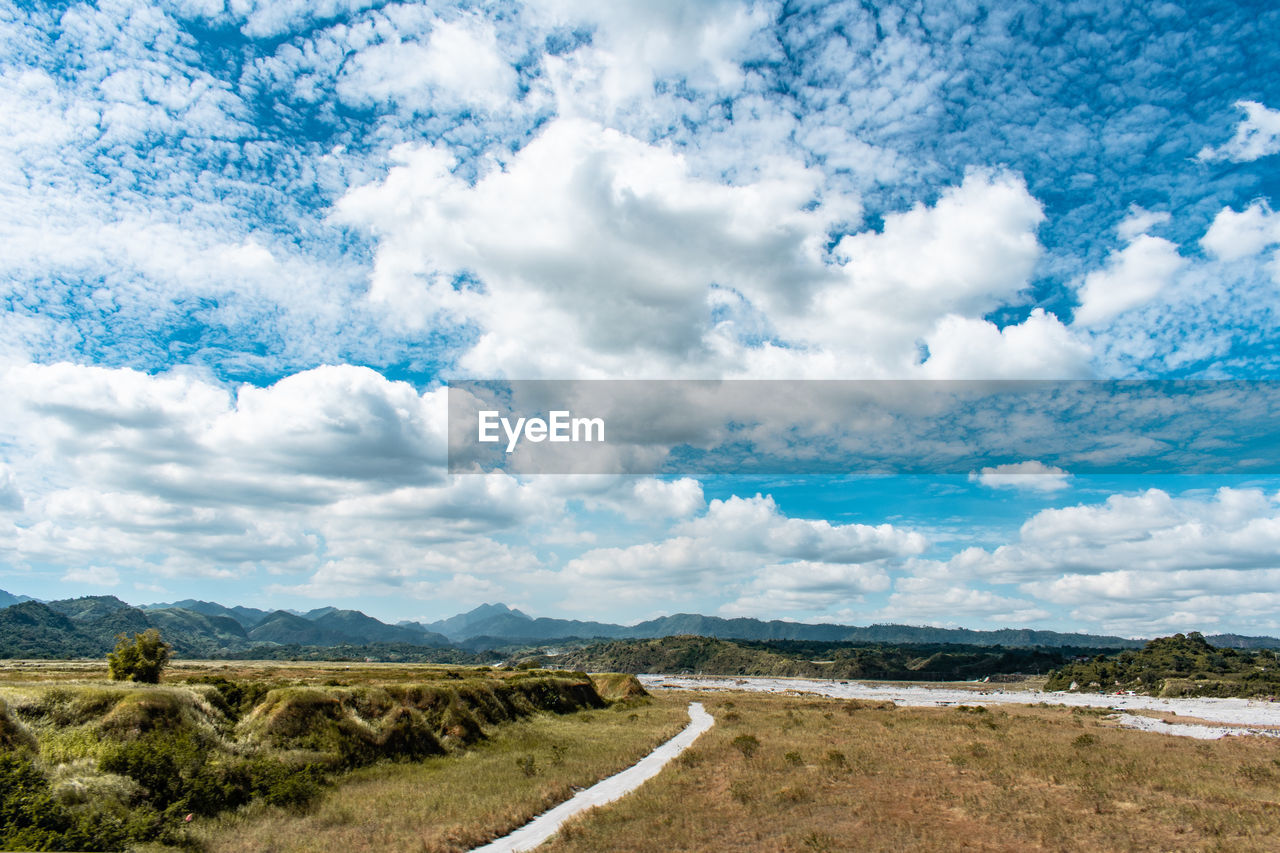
1200,732
1239,713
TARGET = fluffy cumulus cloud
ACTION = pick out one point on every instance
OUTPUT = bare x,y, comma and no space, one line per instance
1155,307
1133,276
1257,135
1030,475
927,600
594,250
1192,559
1243,235
635,46
335,474
765,558
423,63
597,254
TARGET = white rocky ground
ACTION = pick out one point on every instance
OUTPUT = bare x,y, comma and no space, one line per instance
1241,713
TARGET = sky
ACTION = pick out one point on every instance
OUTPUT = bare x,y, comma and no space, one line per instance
245,245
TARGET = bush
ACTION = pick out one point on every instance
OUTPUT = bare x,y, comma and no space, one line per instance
141,659
178,776
32,819
746,744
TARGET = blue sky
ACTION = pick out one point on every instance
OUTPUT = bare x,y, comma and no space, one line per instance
244,244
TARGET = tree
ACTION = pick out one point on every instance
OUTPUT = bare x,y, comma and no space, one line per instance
139,659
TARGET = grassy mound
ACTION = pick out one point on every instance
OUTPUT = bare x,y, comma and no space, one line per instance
618,687
356,725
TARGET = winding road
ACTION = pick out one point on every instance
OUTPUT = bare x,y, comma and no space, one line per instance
605,791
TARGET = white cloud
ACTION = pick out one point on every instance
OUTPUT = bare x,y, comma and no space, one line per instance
597,252
459,62
1038,347
266,18
748,547
639,499
634,45
970,252
93,576
807,587
1233,236
10,496
1134,276
334,471
1030,475
1257,135
1190,559
601,255
1140,221
930,601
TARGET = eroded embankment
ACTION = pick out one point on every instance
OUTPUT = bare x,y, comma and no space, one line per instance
101,766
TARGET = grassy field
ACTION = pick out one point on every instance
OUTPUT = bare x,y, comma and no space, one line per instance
787,773
454,803
286,756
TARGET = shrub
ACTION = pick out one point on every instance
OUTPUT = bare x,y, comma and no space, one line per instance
178,775
746,744
141,659
32,819
13,736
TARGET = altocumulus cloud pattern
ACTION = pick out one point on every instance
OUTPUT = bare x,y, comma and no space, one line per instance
244,245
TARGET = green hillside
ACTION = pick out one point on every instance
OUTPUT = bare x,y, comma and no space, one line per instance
709,656
1181,665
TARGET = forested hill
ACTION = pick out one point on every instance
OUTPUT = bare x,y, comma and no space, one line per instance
88,626
1181,665
911,662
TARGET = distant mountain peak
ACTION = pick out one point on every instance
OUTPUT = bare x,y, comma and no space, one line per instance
484,611
8,598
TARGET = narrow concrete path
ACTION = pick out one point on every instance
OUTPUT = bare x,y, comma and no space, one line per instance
605,791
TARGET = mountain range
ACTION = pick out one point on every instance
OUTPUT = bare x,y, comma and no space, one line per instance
87,627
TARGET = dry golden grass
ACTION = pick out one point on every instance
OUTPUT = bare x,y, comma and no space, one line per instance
456,802
833,775
353,674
